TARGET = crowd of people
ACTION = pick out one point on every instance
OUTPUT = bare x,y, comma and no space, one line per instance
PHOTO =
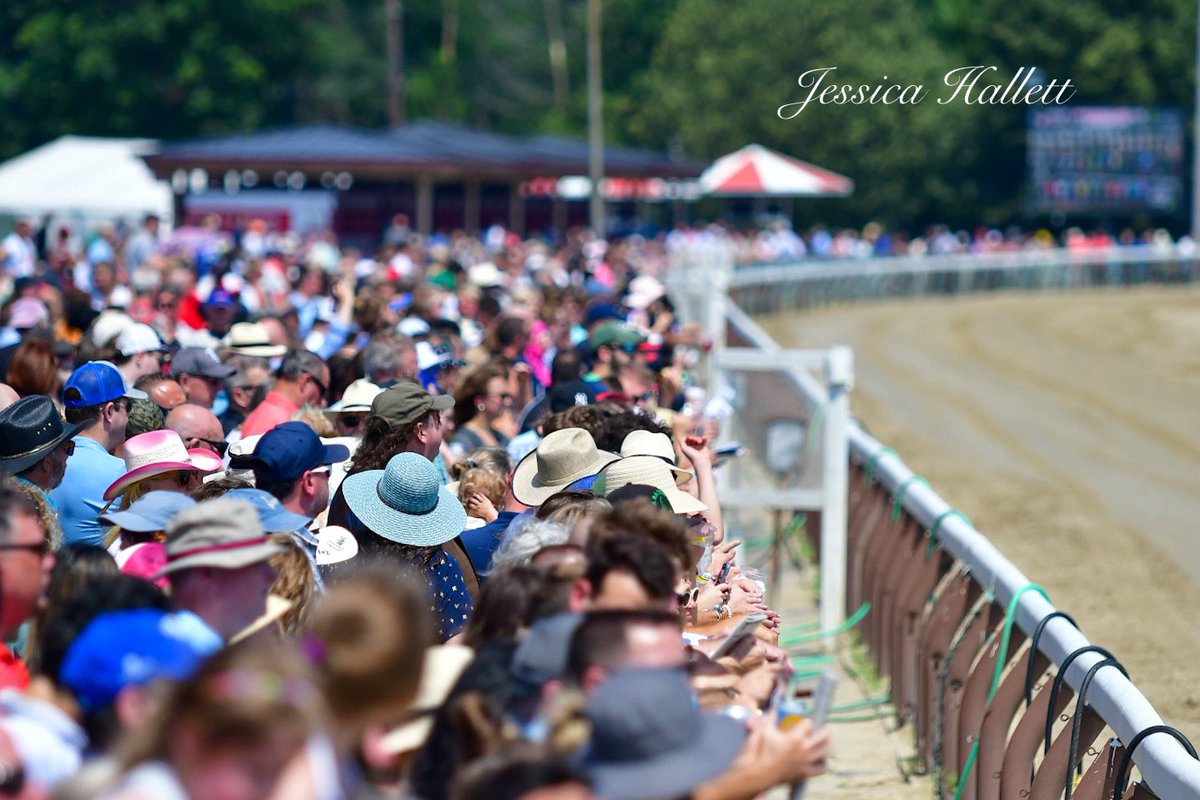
284,520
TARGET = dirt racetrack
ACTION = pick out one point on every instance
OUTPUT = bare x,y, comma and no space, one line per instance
1067,427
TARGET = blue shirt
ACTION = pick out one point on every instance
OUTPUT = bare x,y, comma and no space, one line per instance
481,542
90,470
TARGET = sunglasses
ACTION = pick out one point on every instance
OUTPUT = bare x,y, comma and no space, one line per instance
39,548
351,421
219,446
12,780
320,385
689,597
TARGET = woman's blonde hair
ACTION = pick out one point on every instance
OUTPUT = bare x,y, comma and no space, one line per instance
293,581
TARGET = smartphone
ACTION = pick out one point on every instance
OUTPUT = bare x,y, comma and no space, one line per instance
731,450
741,631
821,702
822,698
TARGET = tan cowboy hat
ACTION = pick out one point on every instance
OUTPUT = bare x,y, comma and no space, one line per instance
560,459
649,443
646,471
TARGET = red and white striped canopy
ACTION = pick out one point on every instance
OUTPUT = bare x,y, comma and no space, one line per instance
755,171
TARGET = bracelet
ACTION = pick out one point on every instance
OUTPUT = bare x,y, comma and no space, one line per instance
722,609
703,577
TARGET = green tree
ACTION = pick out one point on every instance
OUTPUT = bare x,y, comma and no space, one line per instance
721,72
167,68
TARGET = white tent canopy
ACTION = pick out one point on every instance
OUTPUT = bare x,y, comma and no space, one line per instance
83,176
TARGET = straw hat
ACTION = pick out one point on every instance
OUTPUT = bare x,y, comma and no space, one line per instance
560,459
155,452
358,397
405,502
649,443
252,339
647,471
443,666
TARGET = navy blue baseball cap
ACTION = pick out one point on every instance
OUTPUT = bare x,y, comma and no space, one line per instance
286,451
600,311
271,513
96,383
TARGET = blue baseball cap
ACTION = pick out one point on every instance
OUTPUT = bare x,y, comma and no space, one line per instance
149,513
286,451
600,311
271,513
96,383
133,648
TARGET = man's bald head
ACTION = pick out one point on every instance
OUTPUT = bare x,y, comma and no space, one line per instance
166,393
194,424
8,396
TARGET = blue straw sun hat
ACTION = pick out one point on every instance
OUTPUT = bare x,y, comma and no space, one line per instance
405,502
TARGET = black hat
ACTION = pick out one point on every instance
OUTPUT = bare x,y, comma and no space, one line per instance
30,429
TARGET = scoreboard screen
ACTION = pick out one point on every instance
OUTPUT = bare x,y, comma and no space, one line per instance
1105,159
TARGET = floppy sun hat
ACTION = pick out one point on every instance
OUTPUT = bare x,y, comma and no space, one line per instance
560,459
155,452
649,443
405,502
647,471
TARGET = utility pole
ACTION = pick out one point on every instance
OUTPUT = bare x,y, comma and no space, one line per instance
393,11
595,120
1196,138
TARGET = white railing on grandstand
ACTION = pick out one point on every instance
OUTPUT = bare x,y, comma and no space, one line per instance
808,283
1165,766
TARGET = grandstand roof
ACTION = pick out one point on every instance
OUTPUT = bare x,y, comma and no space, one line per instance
440,149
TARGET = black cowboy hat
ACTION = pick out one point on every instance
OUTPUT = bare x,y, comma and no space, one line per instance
30,429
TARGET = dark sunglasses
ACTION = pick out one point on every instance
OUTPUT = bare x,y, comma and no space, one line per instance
324,389
351,421
40,548
216,444
688,598
12,780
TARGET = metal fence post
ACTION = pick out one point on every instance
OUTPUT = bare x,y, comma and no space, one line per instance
839,376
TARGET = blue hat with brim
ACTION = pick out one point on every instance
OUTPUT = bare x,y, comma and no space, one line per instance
133,648
151,512
405,502
95,383
271,513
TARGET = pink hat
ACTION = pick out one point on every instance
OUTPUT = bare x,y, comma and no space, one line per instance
155,452
144,561
28,312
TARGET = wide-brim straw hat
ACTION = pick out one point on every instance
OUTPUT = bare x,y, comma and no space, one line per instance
252,339
649,443
405,502
443,666
647,471
156,452
560,459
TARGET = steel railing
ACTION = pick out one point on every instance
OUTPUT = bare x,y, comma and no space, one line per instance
952,618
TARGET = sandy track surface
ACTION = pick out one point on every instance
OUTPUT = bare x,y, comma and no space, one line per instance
1067,427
